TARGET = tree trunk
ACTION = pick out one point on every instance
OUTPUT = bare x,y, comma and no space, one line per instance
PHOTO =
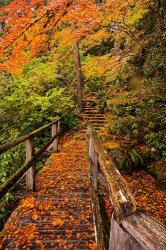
78,75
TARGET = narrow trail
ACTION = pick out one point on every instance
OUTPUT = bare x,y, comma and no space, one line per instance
58,215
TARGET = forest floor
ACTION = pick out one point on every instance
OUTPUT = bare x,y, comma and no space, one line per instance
148,196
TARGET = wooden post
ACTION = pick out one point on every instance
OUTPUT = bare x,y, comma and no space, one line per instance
121,239
93,156
55,131
95,169
94,160
146,230
30,175
59,126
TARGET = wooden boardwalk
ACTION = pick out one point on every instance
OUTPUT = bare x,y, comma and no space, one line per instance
58,215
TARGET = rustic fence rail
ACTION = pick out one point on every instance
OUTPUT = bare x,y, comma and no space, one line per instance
31,156
130,229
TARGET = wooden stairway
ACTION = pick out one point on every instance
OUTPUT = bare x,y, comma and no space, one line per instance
93,116
58,215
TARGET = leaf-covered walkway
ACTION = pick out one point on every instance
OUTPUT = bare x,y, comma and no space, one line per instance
59,214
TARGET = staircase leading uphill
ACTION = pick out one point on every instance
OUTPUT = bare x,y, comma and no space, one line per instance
93,116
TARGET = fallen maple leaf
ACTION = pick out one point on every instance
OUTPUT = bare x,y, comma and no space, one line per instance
57,222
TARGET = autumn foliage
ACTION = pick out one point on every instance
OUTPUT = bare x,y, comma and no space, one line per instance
122,69
29,27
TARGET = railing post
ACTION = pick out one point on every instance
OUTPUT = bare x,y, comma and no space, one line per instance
121,239
93,156
30,175
95,168
94,159
59,126
55,131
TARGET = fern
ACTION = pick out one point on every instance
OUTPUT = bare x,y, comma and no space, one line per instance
131,161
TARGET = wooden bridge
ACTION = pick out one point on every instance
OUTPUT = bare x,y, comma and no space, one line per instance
62,210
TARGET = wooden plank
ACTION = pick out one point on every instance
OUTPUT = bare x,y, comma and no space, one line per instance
122,200
30,174
121,239
148,231
97,218
5,147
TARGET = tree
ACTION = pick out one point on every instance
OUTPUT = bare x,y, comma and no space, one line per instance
33,25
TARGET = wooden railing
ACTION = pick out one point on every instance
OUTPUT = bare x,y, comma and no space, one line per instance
31,156
130,229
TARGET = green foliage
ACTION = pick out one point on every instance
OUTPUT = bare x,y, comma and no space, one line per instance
131,161
28,102
70,121
147,22
98,50
155,62
4,2
10,161
101,102
94,85
157,140
148,113
128,127
6,206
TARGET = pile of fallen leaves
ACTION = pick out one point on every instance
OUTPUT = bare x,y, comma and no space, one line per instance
58,215
148,197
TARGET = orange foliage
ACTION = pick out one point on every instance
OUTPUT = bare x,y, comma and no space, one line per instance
30,27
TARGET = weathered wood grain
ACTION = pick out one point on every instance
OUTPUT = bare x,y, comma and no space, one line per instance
97,216
30,174
93,156
54,131
120,239
148,231
123,201
130,229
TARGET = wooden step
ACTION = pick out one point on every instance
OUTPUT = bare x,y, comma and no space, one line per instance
96,121
92,111
94,117
96,114
89,108
98,125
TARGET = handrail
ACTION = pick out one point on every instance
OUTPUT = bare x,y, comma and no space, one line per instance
31,156
5,147
130,229
122,199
